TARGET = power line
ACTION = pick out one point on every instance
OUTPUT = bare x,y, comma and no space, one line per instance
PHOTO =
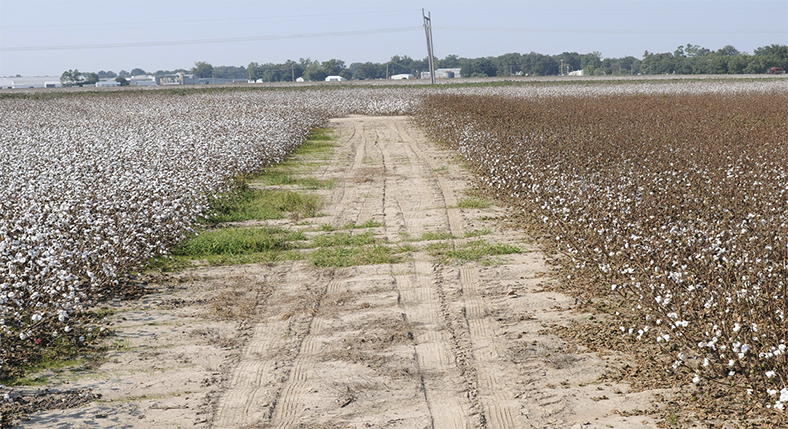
593,31
214,20
207,41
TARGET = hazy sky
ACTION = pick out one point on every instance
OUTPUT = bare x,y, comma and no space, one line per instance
48,37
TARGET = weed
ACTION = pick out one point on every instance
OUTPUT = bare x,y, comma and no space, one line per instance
432,236
343,239
238,241
472,203
256,204
368,224
352,256
477,232
477,251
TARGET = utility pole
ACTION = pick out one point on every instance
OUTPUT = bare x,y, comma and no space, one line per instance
428,32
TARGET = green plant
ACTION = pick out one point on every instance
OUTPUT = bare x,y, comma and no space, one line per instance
472,203
256,204
477,232
238,241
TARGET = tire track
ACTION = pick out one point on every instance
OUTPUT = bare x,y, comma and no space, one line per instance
449,391
256,385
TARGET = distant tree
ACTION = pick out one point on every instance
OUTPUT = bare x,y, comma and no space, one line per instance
138,72
571,59
591,61
332,67
737,64
480,67
370,70
314,72
540,65
450,62
292,70
122,80
776,50
107,74
123,73
252,71
695,50
507,64
72,78
728,50
202,69
90,78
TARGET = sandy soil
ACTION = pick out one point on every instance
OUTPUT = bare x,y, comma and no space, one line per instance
416,344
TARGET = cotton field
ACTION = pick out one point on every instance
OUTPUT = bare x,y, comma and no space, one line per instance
92,187
676,201
673,195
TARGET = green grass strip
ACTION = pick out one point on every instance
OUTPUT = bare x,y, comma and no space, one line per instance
238,241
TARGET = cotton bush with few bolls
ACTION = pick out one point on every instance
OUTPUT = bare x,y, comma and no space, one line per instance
676,200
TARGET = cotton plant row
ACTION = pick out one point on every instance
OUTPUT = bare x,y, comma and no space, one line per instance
594,88
92,187
677,202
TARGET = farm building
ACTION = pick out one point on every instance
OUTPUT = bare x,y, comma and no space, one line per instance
175,79
143,80
402,76
334,79
442,74
104,83
30,82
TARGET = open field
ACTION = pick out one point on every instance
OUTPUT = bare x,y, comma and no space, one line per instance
661,204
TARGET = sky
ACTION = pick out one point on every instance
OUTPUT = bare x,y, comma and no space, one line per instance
39,38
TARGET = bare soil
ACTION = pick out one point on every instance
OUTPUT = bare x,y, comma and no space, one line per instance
415,344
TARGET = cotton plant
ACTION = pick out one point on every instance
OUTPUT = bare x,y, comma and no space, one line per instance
674,196
92,187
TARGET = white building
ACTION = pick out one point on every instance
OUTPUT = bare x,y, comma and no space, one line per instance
442,74
334,78
402,76
143,80
103,83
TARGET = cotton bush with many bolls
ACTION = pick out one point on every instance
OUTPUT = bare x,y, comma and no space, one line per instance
92,186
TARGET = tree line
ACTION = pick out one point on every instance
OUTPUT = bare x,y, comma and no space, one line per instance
689,59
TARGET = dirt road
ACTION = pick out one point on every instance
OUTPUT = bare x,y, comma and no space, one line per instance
421,343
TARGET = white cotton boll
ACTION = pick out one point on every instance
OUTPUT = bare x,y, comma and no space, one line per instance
696,379
770,374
